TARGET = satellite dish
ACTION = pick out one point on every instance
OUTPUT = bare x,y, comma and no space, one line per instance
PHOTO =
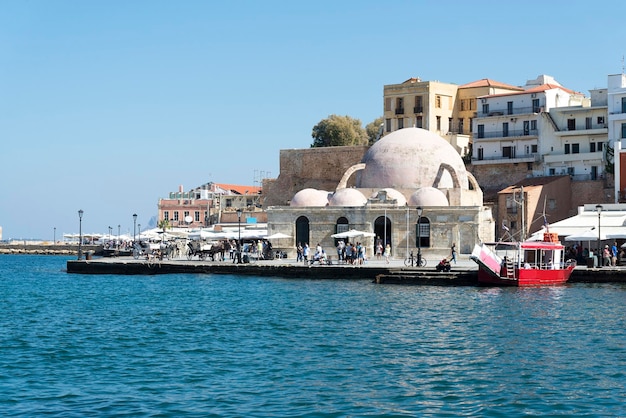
188,219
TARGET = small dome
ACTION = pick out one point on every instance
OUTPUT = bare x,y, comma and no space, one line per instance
347,197
428,196
309,197
392,194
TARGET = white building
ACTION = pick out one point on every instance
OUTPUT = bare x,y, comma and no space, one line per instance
551,128
573,139
617,131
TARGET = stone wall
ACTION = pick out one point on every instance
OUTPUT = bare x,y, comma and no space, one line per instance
494,177
317,168
63,249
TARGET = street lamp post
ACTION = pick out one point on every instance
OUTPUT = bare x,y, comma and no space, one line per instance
110,229
54,238
139,230
419,236
118,235
80,234
599,250
134,225
239,248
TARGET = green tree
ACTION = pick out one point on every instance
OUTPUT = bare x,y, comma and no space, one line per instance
336,131
374,130
164,224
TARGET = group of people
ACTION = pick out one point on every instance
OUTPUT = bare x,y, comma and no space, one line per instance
609,256
303,254
350,253
347,252
261,249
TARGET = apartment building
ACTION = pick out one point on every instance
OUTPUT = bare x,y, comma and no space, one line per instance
617,132
507,126
443,108
422,104
574,139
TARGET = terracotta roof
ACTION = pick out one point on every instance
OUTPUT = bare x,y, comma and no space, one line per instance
532,181
486,82
539,89
239,189
545,87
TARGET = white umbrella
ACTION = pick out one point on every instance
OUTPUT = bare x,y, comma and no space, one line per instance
203,234
353,233
587,235
278,235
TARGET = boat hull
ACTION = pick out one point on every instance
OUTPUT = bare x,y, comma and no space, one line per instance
503,271
526,277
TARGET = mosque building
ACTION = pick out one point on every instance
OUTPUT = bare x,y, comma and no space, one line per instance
406,170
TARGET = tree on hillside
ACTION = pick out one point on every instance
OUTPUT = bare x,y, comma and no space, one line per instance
374,130
336,130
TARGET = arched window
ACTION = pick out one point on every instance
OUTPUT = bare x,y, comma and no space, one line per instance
342,225
422,233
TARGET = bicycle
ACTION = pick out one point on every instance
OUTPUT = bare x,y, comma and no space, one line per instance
413,261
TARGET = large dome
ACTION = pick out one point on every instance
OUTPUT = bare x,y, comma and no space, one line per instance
412,158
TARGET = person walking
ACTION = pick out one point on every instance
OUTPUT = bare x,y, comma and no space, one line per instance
453,252
614,254
387,253
606,256
299,256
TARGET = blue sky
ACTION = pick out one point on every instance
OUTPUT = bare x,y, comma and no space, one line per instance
106,106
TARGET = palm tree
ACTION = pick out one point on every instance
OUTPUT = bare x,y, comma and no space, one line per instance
164,224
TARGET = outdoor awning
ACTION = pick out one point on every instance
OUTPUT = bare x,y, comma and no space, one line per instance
611,225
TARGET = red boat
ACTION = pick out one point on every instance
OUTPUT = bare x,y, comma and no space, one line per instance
527,263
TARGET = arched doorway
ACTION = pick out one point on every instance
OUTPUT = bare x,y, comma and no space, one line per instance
302,230
382,229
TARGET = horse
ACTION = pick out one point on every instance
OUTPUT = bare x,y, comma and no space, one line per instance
219,248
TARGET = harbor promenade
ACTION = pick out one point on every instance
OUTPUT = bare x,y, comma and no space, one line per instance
464,272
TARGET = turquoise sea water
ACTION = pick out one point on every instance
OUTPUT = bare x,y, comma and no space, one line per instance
211,345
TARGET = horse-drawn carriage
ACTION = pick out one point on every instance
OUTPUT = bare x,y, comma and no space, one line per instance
155,250
204,249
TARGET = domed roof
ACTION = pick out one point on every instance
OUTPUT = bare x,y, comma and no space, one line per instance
309,197
392,194
428,196
411,158
347,197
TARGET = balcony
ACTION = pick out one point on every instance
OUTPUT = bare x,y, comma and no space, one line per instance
524,158
418,109
400,111
506,112
595,157
512,133
594,130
